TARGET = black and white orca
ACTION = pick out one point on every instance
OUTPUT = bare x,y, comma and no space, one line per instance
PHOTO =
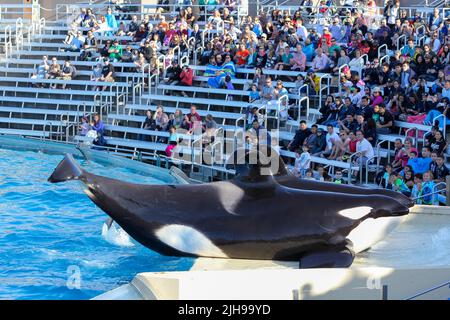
249,217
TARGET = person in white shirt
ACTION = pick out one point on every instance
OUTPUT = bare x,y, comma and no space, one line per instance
302,162
336,29
302,32
321,62
433,41
365,150
446,90
331,140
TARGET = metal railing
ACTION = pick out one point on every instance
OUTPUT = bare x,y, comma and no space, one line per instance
445,284
380,48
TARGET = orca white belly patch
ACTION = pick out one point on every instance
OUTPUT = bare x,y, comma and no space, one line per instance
189,240
356,212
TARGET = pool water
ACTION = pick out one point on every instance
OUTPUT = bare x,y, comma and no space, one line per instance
53,244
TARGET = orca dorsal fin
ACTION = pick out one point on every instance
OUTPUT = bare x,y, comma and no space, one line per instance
256,165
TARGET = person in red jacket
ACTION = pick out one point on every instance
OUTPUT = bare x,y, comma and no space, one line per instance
325,35
186,78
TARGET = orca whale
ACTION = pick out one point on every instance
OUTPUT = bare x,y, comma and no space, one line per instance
252,216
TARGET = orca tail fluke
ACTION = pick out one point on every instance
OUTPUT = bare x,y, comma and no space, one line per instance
67,169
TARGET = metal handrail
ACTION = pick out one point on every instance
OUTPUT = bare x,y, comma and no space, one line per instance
365,59
433,192
444,122
339,76
350,162
137,88
195,54
320,95
260,108
368,161
8,41
403,36
415,140
385,57
241,118
176,49
381,47
300,107
184,61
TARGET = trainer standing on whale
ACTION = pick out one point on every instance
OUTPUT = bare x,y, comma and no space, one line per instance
250,217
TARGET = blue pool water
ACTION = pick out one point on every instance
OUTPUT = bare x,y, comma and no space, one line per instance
51,238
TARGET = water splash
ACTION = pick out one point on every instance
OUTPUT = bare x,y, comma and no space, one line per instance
116,235
440,242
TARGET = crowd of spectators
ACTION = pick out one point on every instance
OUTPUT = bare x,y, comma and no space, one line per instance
389,66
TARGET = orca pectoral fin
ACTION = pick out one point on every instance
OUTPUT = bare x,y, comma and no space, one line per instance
109,222
333,257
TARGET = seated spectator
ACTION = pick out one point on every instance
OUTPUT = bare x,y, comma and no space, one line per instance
308,50
241,56
176,119
251,115
192,114
101,27
89,19
228,68
364,150
89,50
173,73
210,128
104,52
313,81
298,60
422,164
133,26
83,127
67,73
140,34
127,55
428,187
161,119
148,124
268,91
257,135
385,122
107,72
338,179
416,193
140,63
318,145
302,162
332,142
254,94
440,170
437,143
54,69
259,78
320,62
186,77
99,127
115,51
300,135
41,71
76,43
383,178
